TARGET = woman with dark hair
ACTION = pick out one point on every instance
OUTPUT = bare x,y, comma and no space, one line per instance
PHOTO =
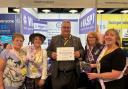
111,63
36,62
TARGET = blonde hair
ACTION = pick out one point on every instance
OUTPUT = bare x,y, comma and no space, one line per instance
17,35
118,41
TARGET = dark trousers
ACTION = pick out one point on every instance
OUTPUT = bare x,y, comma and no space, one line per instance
65,80
48,83
31,83
85,82
125,81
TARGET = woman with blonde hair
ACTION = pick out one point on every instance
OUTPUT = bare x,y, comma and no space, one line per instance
111,63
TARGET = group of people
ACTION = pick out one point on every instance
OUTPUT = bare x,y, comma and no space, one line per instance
24,66
27,66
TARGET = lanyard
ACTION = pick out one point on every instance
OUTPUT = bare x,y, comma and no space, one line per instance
67,40
90,56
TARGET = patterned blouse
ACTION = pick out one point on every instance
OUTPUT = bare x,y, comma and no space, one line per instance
36,63
13,76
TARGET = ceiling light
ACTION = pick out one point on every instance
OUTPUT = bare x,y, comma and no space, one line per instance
16,10
100,11
124,11
46,10
73,11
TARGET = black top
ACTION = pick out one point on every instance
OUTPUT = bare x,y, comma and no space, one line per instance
116,61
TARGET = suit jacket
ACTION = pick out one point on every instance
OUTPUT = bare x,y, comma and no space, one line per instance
58,41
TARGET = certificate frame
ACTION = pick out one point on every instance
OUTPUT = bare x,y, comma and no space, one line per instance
65,54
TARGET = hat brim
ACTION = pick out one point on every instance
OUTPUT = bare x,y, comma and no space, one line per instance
33,35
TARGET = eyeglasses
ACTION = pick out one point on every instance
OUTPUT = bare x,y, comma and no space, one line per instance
66,27
91,37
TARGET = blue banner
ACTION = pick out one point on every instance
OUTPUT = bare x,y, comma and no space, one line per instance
8,23
40,25
87,23
27,22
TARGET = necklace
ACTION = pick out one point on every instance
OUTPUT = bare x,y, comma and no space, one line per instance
39,56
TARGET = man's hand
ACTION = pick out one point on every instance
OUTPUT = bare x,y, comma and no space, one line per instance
77,54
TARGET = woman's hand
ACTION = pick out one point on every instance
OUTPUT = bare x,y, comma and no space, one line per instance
41,82
93,65
92,75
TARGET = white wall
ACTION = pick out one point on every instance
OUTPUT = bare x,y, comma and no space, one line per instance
52,24
58,16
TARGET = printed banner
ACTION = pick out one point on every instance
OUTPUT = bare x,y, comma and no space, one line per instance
107,21
87,23
40,25
27,22
8,23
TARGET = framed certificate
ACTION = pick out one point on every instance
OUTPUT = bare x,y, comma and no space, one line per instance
65,53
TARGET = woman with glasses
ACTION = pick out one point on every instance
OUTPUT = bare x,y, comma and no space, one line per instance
91,53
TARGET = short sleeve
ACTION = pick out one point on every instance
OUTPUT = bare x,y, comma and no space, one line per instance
4,54
119,60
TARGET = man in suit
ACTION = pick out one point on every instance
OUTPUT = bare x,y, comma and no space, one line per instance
64,74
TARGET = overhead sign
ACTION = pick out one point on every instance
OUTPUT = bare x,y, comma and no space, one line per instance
40,25
108,21
27,22
87,23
